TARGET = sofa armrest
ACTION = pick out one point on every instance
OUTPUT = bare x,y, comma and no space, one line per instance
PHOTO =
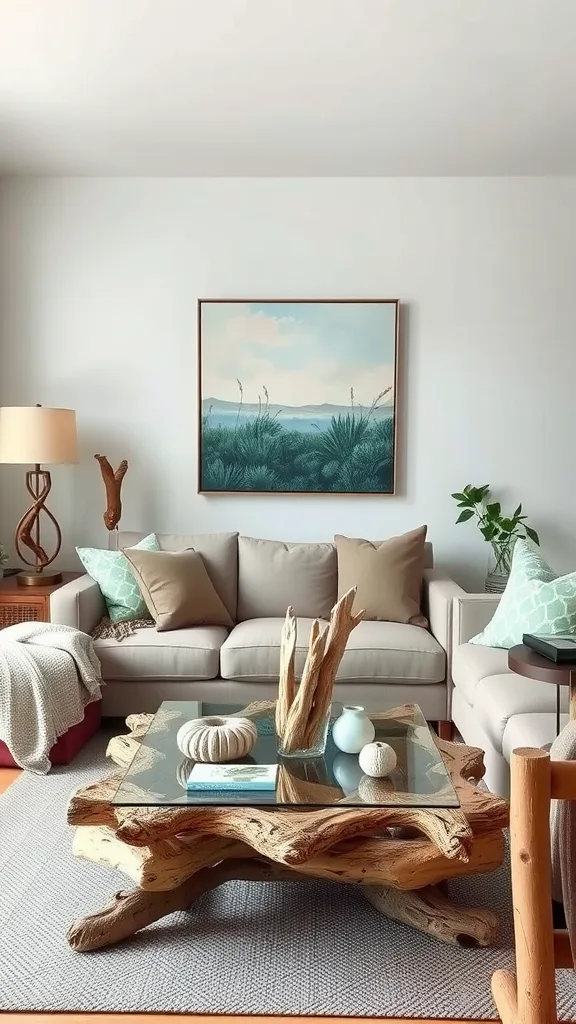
439,594
79,604
472,613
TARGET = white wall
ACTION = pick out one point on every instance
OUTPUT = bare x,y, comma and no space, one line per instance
98,312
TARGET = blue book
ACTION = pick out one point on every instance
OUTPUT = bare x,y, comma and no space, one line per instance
233,777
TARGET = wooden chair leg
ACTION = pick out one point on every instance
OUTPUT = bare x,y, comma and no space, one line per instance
505,996
531,888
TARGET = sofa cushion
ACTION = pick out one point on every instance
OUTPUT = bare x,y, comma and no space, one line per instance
498,698
219,553
387,651
393,652
537,729
185,654
252,650
387,574
471,663
273,575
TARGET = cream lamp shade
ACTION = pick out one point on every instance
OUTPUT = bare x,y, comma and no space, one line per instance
35,435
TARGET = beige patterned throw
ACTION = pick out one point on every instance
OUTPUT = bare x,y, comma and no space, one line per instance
48,674
107,630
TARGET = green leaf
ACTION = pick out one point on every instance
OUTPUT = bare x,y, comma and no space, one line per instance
533,535
494,509
465,515
518,511
459,496
507,525
488,532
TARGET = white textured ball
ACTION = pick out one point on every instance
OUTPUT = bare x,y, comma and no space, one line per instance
377,759
214,740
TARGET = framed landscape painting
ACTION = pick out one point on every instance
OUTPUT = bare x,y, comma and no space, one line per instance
297,396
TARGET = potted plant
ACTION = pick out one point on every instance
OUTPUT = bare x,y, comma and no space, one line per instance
3,559
500,531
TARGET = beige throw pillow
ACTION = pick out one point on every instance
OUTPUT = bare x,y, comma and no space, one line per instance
388,575
177,589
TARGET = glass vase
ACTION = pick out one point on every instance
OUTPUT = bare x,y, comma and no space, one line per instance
318,746
499,564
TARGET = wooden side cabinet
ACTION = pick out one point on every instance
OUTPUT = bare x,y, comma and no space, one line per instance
27,604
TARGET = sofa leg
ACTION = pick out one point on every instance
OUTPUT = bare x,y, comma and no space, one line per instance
445,730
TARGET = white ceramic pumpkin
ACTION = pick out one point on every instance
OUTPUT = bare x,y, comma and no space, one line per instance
377,759
214,740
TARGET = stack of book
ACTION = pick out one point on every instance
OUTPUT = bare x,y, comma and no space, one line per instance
233,777
556,648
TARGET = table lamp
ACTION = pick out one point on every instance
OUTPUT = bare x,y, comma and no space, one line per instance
36,435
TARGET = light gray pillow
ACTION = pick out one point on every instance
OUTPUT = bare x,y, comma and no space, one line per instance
273,574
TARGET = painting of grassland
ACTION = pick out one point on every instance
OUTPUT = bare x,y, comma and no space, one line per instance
297,396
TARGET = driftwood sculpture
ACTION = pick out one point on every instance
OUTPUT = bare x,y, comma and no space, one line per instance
301,711
113,484
398,855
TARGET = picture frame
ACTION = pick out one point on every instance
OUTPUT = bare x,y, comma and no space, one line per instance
297,396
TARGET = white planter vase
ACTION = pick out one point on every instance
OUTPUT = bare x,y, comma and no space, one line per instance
352,730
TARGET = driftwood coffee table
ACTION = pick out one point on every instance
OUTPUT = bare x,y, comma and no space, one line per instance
399,839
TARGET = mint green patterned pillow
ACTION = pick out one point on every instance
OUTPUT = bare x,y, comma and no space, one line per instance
535,601
113,574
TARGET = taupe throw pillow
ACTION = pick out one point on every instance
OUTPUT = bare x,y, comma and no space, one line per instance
177,589
388,575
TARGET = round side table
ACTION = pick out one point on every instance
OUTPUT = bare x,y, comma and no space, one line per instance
526,662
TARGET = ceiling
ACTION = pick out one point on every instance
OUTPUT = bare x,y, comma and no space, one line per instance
288,87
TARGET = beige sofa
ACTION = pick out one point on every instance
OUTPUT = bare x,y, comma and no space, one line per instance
492,707
385,664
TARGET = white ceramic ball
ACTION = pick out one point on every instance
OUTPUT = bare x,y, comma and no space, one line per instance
215,740
377,759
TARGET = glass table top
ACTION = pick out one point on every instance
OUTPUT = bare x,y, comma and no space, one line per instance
158,772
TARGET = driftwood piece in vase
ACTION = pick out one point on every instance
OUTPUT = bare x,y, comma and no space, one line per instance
342,622
300,710
308,704
113,485
286,680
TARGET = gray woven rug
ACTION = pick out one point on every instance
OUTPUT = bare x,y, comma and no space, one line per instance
274,948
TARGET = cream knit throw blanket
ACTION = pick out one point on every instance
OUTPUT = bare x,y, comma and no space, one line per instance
48,673
563,836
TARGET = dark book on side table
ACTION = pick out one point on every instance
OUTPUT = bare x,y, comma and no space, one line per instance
556,648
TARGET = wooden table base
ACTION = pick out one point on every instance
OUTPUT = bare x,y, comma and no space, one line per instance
401,857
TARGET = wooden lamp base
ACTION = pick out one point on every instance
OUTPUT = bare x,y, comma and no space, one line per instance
38,484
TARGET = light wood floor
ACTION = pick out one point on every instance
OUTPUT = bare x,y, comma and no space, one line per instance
7,777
